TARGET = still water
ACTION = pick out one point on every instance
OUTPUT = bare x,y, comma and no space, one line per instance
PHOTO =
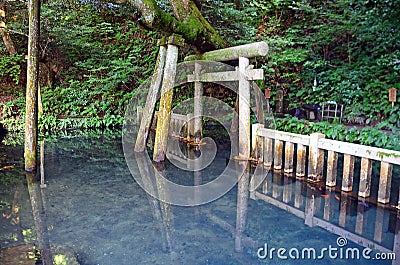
92,206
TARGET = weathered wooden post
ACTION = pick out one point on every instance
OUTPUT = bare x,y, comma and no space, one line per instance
244,109
268,152
167,88
316,159
289,154
278,153
385,182
32,84
147,113
198,105
348,173
331,173
364,189
257,143
301,161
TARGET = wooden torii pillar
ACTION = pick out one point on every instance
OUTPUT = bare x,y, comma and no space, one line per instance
164,78
244,74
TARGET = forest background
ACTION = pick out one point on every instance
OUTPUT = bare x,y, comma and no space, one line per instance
94,56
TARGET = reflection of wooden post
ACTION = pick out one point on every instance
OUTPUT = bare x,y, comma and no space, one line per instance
344,209
287,190
316,159
385,182
198,106
309,211
361,218
166,210
331,172
379,223
298,198
301,161
365,178
147,113
328,208
276,190
39,218
348,173
164,113
396,241
242,201
289,153
244,109
42,183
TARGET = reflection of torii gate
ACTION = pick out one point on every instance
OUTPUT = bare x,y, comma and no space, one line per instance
164,79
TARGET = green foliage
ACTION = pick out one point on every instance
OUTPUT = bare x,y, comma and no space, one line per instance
367,136
10,67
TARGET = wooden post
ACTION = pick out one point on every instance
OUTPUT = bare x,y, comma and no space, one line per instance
364,189
167,88
268,152
331,172
348,173
278,154
244,110
289,153
257,143
198,105
301,161
151,100
32,84
385,182
316,159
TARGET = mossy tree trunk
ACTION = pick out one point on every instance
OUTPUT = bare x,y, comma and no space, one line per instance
187,21
32,85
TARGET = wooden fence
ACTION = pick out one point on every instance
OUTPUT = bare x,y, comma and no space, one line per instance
277,149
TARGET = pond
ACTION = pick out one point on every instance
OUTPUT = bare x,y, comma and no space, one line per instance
92,206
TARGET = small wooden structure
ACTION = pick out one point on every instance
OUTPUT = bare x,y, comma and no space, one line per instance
270,145
164,80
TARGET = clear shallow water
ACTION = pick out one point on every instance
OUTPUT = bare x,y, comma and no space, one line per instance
93,206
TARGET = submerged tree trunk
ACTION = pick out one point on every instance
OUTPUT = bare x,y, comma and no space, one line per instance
187,21
32,86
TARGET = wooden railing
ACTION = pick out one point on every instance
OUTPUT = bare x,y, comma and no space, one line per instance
180,126
276,148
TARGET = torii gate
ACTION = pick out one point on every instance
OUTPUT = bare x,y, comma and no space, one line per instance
164,79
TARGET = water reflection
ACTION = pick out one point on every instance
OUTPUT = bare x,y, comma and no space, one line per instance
92,205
